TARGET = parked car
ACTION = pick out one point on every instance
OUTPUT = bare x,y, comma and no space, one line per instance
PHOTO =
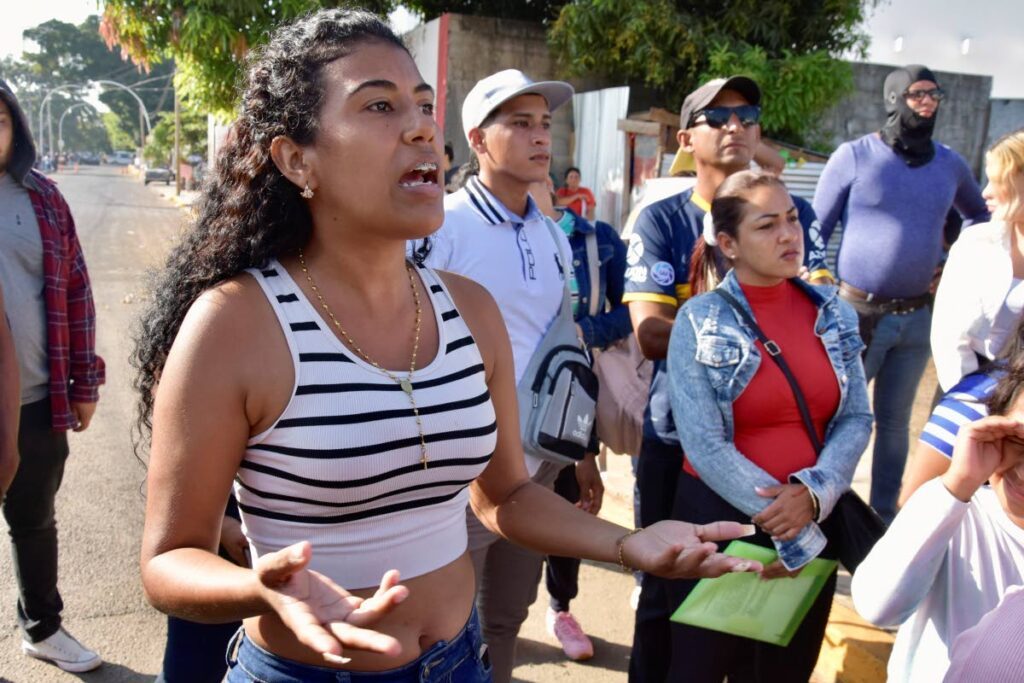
89,159
121,158
158,174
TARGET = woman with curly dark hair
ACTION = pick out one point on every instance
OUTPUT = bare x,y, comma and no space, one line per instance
355,400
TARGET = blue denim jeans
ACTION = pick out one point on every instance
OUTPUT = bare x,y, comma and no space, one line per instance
460,660
895,359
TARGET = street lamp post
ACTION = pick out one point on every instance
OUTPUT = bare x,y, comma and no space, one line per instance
60,124
143,113
44,106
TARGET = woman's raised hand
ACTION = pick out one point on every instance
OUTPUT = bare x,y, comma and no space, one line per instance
680,550
983,448
322,614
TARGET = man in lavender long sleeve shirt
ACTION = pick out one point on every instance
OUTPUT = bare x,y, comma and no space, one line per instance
892,191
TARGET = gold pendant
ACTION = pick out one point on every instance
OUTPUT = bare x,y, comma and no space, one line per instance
406,385
423,459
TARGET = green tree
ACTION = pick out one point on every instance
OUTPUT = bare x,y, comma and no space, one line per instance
69,54
792,46
160,148
119,139
208,40
528,10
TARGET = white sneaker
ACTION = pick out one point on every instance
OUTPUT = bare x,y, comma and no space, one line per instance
64,651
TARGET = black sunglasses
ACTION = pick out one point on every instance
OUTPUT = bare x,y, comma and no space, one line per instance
918,95
716,117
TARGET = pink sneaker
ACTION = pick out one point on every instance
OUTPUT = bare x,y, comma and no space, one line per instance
566,629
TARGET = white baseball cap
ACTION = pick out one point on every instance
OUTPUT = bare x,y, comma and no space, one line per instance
491,92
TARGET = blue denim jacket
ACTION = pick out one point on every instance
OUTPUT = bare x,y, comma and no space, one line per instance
711,360
612,324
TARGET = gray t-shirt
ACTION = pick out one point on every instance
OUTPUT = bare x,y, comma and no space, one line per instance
21,276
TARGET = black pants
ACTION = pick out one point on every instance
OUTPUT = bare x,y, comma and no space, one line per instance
195,653
703,656
656,476
562,574
29,511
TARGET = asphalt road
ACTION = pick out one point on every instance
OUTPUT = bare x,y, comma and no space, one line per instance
126,228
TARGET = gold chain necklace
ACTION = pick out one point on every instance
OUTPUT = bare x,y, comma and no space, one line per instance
404,382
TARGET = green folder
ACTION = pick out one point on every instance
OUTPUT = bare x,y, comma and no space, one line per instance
744,604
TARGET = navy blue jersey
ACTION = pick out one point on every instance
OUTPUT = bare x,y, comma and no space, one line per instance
658,268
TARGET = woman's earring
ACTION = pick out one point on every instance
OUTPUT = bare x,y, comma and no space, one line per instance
307,193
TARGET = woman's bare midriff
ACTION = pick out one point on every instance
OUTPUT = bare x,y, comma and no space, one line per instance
438,607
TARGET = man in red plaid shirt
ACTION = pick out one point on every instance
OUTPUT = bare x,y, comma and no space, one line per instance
53,320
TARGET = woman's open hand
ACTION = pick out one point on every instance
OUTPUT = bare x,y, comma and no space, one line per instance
322,614
680,550
790,512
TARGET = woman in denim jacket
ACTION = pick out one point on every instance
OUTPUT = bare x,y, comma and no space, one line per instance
747,453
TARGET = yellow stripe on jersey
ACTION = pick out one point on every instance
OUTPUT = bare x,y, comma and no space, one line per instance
702,204
822,272
683,293
649,296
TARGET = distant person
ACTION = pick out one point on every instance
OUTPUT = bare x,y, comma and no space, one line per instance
956,548
981,294
892,190
450,167
50,307
576,197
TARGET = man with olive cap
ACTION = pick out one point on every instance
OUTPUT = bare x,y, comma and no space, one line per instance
892,191
493,233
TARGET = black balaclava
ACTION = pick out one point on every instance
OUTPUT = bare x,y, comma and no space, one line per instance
908,134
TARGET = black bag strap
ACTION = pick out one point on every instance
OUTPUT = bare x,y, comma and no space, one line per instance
775,353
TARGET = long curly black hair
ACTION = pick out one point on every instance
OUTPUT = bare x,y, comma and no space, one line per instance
249,212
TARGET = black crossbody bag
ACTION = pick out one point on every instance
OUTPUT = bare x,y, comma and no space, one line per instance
855,524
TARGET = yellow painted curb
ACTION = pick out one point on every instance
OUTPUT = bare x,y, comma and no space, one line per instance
853,651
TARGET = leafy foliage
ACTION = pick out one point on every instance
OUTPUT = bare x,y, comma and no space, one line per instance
791,46
160,148
69,54
527,10
208,40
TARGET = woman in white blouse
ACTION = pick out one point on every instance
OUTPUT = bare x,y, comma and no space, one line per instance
981,295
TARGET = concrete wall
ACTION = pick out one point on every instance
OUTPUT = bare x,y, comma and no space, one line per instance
480,46
1007,116
963,115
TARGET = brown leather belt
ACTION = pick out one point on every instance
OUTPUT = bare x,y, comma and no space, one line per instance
882,304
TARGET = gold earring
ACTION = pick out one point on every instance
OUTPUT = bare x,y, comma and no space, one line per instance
307,193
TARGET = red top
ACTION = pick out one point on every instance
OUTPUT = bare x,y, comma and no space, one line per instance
768,428
578,206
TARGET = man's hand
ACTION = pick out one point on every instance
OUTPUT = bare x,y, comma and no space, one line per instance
83,413
790,512
591,486
323,615
983,448
680,550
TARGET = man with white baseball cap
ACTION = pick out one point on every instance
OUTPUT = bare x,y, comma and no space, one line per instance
494,233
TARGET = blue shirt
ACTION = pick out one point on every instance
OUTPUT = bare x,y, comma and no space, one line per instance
893,215
658,270
963,404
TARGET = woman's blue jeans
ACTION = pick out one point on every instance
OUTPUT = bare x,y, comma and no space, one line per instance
463,659
895,359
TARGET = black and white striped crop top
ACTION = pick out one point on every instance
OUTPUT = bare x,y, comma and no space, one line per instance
341,466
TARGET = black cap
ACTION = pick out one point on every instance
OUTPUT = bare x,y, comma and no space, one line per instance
706,94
